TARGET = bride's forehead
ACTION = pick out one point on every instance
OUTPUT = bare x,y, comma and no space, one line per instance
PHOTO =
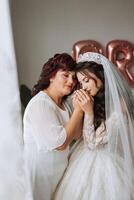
81,75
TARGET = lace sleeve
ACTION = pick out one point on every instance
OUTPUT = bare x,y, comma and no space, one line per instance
89,132
96,138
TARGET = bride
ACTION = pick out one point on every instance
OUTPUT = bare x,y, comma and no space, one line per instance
101,166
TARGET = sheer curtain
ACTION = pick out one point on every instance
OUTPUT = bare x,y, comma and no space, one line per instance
11,145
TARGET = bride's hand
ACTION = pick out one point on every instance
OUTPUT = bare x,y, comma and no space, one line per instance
85,100
75,103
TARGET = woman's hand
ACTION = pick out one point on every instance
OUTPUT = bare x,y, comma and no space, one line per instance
85,100
76,104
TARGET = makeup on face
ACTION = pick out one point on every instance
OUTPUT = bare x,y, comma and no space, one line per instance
64,81
89,83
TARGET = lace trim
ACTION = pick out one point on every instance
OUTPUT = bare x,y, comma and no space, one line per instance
92,138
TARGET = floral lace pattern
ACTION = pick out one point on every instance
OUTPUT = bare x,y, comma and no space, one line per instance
99,137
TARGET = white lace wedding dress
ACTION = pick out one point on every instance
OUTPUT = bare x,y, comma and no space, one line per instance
94,173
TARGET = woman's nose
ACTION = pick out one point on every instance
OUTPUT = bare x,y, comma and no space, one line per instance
70,80
84,86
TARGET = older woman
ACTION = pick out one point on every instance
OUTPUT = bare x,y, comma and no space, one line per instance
49,128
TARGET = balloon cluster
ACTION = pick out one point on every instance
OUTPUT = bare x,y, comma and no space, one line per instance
120,52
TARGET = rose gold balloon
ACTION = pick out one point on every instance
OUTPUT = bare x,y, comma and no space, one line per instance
83,46
121,53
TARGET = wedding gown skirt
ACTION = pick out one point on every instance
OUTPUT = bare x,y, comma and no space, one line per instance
94,175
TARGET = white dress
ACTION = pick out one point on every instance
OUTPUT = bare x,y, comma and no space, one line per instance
44,131
93,172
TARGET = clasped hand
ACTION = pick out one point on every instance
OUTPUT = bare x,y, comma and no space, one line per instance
83,100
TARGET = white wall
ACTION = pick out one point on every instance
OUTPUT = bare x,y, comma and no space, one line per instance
44,27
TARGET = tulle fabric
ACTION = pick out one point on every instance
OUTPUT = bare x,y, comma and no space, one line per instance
93,175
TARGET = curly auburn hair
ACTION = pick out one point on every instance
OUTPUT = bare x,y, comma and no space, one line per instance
99,98
59,61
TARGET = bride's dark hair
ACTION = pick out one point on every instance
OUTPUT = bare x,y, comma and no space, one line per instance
99,98
60,61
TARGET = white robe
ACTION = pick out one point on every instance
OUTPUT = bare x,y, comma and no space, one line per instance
43,132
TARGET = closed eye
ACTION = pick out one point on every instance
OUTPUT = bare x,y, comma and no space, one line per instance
66,75
86,80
